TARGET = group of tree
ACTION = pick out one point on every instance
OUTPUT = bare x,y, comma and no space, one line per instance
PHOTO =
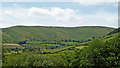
98,54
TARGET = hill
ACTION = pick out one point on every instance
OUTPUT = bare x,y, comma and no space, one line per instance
21,33
101,52
115,31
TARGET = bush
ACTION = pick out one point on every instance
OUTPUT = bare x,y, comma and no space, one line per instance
98,54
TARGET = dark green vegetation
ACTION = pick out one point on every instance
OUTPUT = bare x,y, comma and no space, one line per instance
114,31
21,33
34,60
97,52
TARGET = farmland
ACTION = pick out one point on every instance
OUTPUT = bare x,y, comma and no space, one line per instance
12,46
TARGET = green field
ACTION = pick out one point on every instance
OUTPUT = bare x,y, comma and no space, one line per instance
12,46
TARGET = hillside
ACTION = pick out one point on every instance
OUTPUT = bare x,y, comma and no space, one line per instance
115,31
21,33
101,52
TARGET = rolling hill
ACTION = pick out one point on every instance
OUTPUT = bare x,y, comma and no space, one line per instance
100,52
21,33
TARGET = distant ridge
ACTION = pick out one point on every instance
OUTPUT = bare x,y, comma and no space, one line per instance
21,33
58,26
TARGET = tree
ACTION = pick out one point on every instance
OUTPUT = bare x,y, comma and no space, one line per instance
98,54
66,41
22,42
89,39
93,37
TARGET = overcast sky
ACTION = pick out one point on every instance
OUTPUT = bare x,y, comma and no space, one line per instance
65,14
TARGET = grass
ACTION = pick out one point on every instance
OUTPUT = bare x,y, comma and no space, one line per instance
12,46
20,33
109,37
60,49
57,50
51,44
80,47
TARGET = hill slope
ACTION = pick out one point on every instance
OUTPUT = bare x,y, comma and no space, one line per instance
101,52
20,33
115,31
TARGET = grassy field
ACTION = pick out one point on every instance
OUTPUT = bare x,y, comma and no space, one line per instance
12,46
80,47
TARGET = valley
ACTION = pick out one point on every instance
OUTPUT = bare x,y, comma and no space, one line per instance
58,46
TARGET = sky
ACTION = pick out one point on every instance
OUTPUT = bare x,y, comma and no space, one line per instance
62,14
